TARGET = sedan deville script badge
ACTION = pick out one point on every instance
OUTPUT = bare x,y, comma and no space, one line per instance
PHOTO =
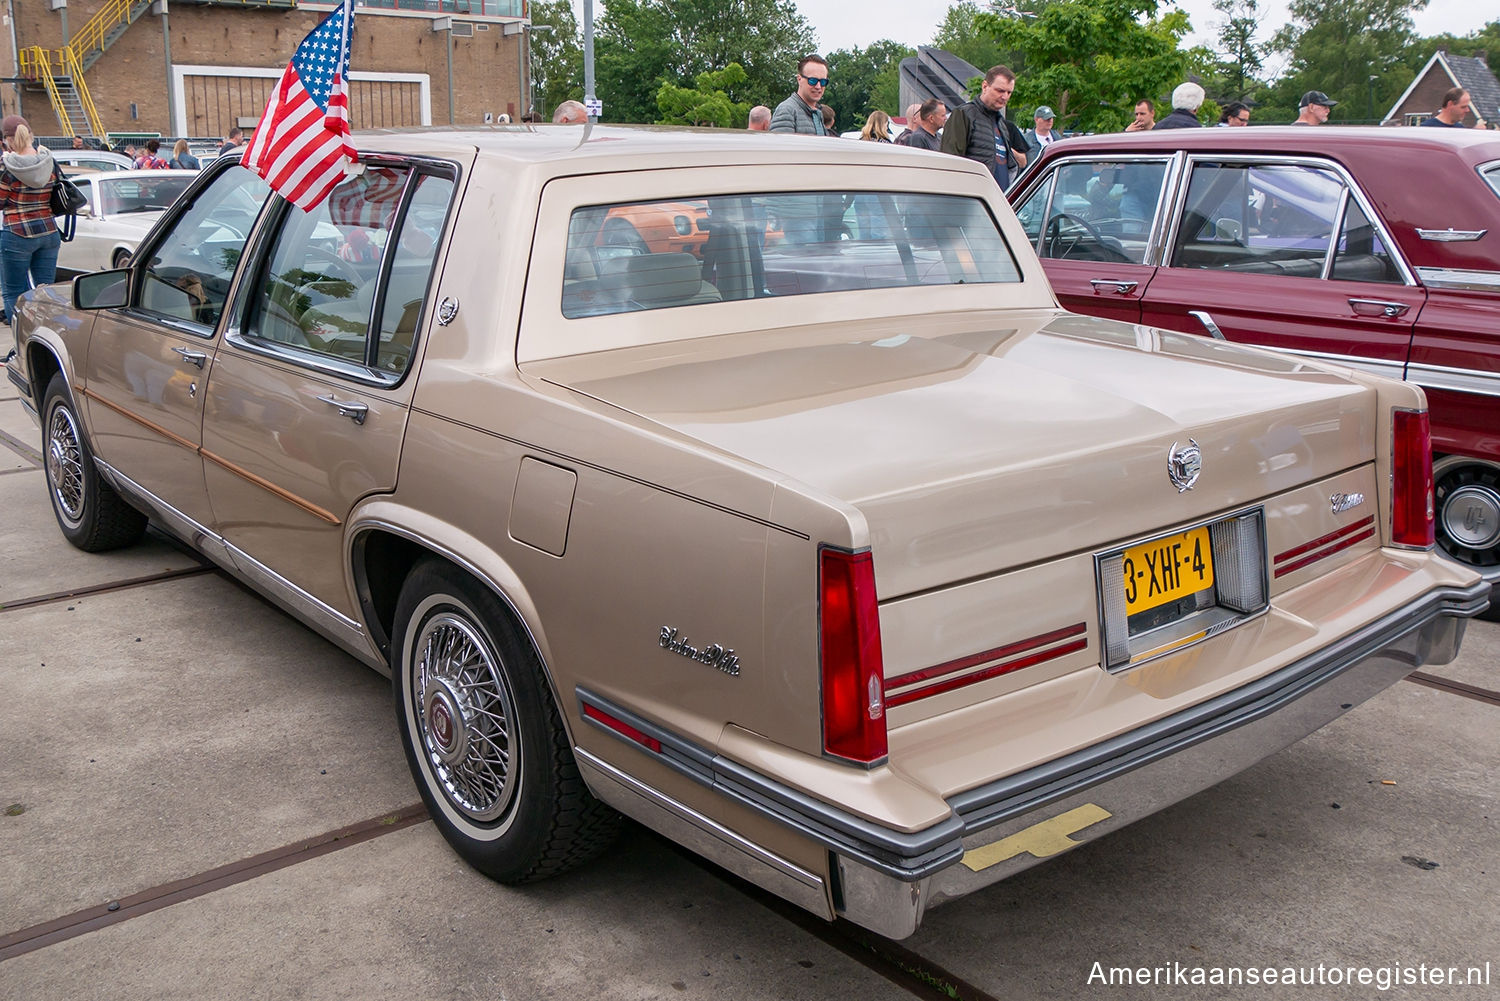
1184,466
713,656
1344,502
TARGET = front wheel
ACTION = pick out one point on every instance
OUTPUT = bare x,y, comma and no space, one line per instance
121,259
482,735
89,512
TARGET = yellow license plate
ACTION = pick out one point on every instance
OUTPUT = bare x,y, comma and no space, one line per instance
1164,570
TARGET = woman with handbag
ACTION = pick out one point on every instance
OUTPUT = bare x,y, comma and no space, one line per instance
29,240
182,159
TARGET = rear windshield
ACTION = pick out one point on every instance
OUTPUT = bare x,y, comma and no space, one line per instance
659,254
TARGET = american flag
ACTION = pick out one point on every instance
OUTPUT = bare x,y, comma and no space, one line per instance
367,201
301,146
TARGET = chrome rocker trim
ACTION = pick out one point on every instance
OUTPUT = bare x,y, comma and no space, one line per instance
885,880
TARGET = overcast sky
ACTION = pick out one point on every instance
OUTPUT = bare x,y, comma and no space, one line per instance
843,24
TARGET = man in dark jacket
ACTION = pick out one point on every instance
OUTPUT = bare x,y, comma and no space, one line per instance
980,131
930,116
1186,100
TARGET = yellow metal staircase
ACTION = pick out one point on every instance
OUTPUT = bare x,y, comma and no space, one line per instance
60,71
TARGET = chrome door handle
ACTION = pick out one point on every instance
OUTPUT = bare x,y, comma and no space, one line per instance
1120,287
1208,323
1377,307
192,357
351,409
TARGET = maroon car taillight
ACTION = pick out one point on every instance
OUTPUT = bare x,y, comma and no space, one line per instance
853,672
1411,479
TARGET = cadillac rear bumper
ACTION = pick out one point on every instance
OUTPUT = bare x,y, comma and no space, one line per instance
886,879
1014,823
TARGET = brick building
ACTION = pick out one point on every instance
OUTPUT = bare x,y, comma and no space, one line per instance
199,67
1443,71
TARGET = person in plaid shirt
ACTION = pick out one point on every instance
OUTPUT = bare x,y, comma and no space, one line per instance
29,241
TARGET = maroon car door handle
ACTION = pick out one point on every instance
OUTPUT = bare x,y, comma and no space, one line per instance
1378,307
1121,287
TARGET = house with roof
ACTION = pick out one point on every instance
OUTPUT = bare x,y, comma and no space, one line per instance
1442,73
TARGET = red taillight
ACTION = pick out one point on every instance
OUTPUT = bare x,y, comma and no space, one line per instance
1411,479
853,674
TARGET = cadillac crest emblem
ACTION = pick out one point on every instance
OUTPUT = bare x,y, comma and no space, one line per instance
1184,465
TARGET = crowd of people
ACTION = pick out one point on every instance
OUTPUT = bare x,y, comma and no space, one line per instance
980,130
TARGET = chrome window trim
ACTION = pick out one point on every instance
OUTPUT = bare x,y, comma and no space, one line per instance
1489,173
325,364
1353,188
1340,221
1455,278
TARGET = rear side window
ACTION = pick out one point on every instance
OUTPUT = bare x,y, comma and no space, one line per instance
1285,220
659,254
1095,210
1263,219
1491,173
348,280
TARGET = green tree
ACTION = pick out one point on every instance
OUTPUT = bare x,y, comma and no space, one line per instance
556,55
960,35
862,79
1338,46
642,44
706,104
1091,60
1237,45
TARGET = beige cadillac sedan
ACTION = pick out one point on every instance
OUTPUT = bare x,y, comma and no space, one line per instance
752,487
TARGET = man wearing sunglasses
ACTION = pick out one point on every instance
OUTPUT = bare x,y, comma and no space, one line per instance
799,113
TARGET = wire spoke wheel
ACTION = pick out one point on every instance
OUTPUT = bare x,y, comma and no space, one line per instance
65,465
464,710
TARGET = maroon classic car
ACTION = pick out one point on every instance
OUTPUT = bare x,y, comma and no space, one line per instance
1373,248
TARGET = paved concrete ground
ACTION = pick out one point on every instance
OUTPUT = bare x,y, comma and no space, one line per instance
153,733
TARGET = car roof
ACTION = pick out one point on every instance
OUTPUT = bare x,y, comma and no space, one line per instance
608,148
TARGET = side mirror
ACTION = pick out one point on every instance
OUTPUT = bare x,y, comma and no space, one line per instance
102,289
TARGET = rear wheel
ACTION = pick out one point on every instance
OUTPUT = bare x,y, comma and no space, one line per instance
121,259
89,512
482,735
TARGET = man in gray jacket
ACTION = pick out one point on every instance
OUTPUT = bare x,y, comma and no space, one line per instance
799,113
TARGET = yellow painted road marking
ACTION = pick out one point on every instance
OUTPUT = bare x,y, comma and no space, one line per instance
1048,838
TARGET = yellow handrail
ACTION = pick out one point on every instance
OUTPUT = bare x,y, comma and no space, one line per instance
91,35
41,65
96,124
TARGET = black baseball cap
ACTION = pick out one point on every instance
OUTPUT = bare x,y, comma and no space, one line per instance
1317,97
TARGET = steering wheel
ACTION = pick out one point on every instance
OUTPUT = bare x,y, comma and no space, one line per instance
1054,237
337,267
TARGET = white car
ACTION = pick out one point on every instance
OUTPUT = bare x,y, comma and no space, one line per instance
122,207
91,159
